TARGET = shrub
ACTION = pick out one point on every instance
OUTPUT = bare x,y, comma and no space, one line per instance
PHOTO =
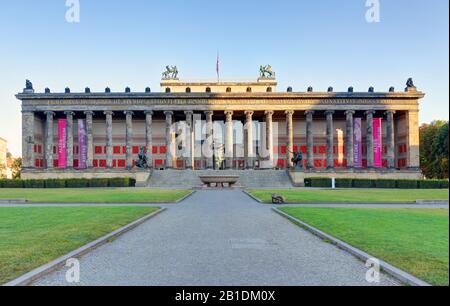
12,184
344,183
407,184
119,182
77,183
98,183
55,183
318,182
34,184
363,183
132,182
430,184
386,184
444,184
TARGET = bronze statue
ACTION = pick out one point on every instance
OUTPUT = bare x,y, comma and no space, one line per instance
266,72
277,199
297,160
28,85
170,73
142,162
410,83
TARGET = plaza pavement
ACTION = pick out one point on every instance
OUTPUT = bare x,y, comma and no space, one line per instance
218,238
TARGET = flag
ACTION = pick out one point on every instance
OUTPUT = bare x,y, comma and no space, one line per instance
218,67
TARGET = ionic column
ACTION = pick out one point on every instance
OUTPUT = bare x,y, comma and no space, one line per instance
170,142
390,138
269,134
349,143
209,140
90,138
290,140
49,140
309,139
69,148
413,155
330,139
249,139
28,140
149,137
109,140
369,139
189,140
229,139
129,139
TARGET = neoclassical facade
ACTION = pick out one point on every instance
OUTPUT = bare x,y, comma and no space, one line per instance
220,125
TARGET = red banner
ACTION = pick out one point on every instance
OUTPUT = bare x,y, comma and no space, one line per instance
62,143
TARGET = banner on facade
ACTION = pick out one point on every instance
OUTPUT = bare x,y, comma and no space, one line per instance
357,142
82,144
62,143
377,143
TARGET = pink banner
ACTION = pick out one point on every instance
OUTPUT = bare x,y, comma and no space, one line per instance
357,142
82,144
62,143
377,143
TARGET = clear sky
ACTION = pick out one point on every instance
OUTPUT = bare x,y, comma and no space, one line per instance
316,43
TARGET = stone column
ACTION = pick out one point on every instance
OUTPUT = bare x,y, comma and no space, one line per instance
249,139
149,136
129,139
330,139
349,143
269,135
413,155
209,140
28,140
390,139
170,142
369,139
109,140
189,153
309,139
90,138
229,149
49,140
69,149
290,138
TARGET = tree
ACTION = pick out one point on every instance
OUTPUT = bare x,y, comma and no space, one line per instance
434,149
16,168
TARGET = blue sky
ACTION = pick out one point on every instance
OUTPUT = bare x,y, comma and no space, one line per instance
316,43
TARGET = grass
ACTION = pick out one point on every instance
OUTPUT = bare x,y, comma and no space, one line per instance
312,196
31,237
94,195
415,240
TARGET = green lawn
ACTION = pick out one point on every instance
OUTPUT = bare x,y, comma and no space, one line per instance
31,237
415,240
353,195
94,195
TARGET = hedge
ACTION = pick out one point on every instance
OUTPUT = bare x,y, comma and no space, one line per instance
69,183
321,182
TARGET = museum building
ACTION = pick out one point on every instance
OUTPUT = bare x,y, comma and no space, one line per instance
248,125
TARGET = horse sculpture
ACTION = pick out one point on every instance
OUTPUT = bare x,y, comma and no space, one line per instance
266,72
170,73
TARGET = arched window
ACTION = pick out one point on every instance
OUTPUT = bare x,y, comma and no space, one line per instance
269,89
167,89
188,90
249,89
208,89
229,89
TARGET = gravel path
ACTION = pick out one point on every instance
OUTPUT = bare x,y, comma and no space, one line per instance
218,238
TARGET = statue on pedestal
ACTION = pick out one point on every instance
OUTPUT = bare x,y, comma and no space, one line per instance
171,73
266,72
142,162
297,160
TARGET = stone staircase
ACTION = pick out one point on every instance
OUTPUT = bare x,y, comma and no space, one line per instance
247,178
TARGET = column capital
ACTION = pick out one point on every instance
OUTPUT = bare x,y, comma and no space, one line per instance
149,112
269,113
309,112
249,113
289,112
168,113
388,112
209,113
128,113
91,113
369,112
229,113
350,112
69,113
189,113
110,113
329,112
50,113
